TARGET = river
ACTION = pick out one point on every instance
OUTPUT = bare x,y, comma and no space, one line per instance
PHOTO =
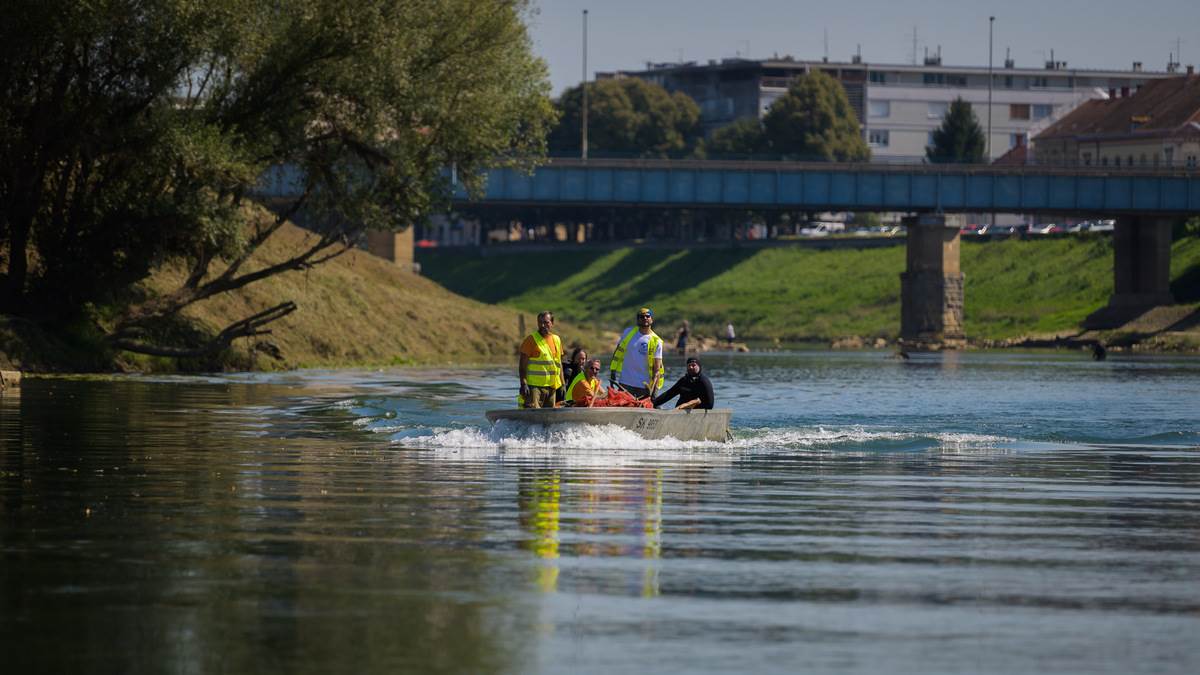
996,512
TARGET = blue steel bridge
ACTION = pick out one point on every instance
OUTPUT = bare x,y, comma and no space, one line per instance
915,188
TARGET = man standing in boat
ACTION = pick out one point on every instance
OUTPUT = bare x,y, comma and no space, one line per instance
637,365
539,370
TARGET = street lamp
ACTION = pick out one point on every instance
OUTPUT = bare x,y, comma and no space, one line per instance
991,22
583,145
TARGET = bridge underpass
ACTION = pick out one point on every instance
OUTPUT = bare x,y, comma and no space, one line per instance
1145,202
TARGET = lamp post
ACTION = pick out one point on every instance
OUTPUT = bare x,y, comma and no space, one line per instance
583,145
988,144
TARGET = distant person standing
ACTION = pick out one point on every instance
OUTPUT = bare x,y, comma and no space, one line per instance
539,370
681,338
637,365
729,334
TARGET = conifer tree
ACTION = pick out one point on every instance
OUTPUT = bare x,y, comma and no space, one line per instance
959,140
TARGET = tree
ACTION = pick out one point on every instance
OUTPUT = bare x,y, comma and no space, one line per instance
814,120
627,117
743,137
136,131
959,140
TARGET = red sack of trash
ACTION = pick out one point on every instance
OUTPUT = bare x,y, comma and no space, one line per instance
621,399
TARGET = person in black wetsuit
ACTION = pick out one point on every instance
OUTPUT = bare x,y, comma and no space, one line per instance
694,389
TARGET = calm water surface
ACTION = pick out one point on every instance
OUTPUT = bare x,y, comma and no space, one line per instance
985,513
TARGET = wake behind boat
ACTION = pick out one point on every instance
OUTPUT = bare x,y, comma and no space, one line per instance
685,425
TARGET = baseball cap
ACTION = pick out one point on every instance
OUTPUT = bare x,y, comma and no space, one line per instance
646,311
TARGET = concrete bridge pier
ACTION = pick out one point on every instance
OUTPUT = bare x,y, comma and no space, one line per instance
1141,270
931,287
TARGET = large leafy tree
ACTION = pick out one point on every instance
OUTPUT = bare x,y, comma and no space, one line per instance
743,137
814,120
959,139
627,116
135,131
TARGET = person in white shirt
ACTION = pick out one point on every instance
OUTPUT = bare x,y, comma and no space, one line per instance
637,365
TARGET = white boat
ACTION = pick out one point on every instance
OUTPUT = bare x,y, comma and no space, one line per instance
683,425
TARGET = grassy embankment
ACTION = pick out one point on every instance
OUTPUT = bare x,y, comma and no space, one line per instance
1013,288
356,310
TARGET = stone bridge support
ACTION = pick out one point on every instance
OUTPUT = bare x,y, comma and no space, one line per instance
1141,270
931,287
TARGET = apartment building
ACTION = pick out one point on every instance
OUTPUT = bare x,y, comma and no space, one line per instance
898,105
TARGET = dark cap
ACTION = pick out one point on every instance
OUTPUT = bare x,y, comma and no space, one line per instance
692,359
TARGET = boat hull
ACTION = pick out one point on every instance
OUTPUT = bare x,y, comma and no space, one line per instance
683,425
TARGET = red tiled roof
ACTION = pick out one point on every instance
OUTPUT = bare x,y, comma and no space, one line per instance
1160,107
1017,156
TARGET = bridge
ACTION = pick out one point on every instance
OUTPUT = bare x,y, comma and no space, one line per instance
1145,201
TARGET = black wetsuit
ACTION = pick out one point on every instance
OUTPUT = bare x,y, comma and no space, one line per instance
688,388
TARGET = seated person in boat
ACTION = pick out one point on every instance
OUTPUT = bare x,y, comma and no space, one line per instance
539,370
694,389
585,388
570,368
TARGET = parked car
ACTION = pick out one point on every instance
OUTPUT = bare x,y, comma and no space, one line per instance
1103,226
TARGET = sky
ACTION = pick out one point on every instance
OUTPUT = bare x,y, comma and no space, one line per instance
625,34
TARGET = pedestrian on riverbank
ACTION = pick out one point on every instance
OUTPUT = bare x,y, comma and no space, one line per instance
681,338
729,334
637,365
539,370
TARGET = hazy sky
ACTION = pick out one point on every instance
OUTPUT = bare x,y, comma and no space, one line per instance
625,34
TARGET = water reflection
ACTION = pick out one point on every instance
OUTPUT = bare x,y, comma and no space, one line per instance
243,524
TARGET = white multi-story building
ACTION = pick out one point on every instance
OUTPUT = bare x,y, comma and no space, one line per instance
899,106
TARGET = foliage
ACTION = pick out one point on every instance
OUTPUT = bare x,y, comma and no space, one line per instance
814,120
959,140
132,132
743,137
627,117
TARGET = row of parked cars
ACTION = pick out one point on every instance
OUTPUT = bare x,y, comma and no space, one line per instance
1044,228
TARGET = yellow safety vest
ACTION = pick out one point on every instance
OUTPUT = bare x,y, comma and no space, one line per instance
619,357
593,386
546,369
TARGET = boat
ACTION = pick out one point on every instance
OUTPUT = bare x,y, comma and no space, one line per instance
684,425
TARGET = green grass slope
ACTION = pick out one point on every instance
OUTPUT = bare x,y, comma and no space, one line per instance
1013,288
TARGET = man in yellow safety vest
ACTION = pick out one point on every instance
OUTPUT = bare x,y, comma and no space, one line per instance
641,374
539,370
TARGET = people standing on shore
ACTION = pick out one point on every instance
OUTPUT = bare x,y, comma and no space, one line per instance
681,338
585,386
694,389
729,334
637,365
539,369
570,368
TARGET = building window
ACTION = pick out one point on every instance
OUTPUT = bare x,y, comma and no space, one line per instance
1191,161
937,110
929,139
1041,81
1168,156
1129,162
932,78
879,108
1042,111
1008,81
878,77
877,138
1117,161
1016,140
1103,161
1018,111
1087,159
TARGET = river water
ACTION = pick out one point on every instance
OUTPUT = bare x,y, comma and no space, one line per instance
977,512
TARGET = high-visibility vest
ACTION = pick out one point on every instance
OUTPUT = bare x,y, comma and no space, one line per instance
618,359
545,370
594,385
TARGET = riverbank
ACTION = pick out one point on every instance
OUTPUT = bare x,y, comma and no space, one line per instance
355,310
1018,292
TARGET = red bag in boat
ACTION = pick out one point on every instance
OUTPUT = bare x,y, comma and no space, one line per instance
621,399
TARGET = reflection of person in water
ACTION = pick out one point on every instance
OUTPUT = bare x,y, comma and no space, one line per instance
539,502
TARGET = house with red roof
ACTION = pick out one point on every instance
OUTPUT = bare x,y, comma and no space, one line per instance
1157,126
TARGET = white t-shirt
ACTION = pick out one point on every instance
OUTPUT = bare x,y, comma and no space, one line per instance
633,370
